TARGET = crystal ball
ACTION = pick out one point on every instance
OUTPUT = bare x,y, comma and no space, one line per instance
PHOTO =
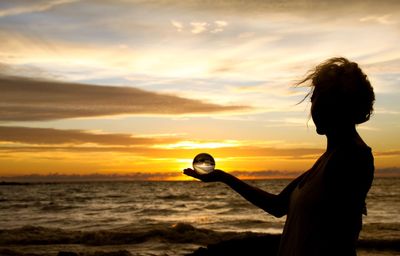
203,163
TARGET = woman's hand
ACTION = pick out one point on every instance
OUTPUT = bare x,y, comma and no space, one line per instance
216,175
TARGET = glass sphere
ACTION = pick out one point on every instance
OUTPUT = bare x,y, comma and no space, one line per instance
203,163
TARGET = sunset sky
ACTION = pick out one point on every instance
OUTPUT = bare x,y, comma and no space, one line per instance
138,88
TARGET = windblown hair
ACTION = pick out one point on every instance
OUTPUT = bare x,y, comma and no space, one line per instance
342,85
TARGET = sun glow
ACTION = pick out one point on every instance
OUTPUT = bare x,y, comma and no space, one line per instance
147,93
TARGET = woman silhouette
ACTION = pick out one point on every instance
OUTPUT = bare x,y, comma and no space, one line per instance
324,205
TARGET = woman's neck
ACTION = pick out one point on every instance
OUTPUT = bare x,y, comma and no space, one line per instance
341,136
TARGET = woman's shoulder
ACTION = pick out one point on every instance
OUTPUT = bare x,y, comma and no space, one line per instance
353,159
353,149
350,168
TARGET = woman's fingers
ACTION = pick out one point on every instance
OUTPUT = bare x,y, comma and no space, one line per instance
190,172
209,177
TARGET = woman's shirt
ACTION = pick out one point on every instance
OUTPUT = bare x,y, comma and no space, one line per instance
324,211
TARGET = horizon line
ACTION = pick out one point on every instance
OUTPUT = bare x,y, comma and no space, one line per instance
165,176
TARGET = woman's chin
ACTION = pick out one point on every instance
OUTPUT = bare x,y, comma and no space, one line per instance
321,131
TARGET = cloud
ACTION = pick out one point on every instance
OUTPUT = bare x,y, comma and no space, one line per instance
178,25
198,27
33,6
219,26
146,149
390,153
48,136
56,177
248,8
383,19
268,174
24,99
231,153
23,71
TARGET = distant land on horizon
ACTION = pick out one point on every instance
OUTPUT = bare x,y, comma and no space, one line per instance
163,176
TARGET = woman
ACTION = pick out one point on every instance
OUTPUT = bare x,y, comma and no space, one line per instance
324,205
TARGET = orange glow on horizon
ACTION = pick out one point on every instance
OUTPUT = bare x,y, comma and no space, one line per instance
165,164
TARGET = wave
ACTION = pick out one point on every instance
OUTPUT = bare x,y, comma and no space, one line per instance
175,197
179,233
55,207
157,212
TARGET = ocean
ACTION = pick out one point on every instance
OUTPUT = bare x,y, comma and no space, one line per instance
159,218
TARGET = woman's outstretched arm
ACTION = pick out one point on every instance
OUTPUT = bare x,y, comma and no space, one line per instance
274,204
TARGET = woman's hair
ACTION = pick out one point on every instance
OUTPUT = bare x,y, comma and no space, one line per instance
342,86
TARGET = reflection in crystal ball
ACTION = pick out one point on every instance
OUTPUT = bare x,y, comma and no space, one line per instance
203,163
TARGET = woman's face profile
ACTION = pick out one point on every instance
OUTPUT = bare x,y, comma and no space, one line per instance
324,114
318,115
328,114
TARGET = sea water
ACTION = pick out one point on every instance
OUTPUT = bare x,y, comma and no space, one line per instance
150,217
